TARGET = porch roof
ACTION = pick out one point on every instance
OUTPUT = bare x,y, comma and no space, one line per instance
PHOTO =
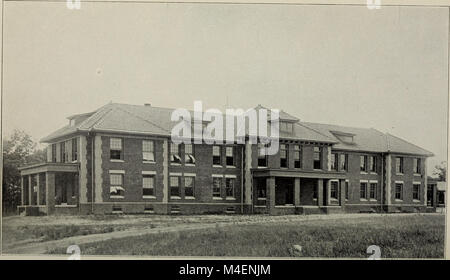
48,167
260,172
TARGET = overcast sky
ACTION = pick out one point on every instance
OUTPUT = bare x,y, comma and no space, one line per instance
352,66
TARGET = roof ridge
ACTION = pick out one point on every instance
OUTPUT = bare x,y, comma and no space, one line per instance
96,113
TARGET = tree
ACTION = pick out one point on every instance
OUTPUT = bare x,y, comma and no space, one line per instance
18,150
441,171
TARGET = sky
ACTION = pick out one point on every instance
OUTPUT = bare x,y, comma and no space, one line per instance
346,65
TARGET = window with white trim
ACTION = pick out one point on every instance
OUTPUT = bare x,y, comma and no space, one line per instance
217,186
334,190
399,191
189,186
416,165
175,153
283,155
148,185
416,191
262,157
229,153
373,190
148,153
363,190
189,154
175,186
116,185
229,187
317,157
363,163
297,156
372,164
115,148
334,161
74,149
343,158
217,155
63,151
399,165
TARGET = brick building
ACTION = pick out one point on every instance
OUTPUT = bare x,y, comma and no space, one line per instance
120,159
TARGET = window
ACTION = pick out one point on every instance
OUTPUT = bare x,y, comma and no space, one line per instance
363,190
399,165
63,152
74,149
346,190
343,161
373,164
229,187
115,146
363,163
217,184
297,156
217,160
334,189
261,192
262,158
373,191
116,185
174,186
53,152
148,183
189,183
334,162
229,156
148,153
399,191
175,153
317,158
416,191
283,156
189,154
416,165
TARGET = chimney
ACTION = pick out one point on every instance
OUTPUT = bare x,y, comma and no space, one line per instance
147,104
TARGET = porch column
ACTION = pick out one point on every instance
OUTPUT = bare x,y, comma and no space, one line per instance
50,191
38,193
297,191
30,191
328,192
342,192
320,192
435,202
270,193
22,192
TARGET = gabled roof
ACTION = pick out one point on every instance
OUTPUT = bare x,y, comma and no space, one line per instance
143,119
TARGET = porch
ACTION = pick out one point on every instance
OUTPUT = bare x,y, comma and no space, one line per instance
49,188
300,193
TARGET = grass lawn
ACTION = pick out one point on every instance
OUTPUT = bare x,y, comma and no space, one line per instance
414,236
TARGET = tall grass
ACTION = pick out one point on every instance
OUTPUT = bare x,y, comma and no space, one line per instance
398,237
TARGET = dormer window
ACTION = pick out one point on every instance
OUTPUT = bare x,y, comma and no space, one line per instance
345,137
286,127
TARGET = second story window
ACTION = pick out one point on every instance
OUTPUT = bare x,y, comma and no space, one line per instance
283,156
372,164
334,161
217,159
416,165
54,153
317,158
74,149
363,163
343,162
230,156
189,154
175,153
297,156
262,157
115,147
63,152
399,165
148,153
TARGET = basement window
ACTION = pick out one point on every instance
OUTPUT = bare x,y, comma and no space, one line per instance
149,210
117,210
